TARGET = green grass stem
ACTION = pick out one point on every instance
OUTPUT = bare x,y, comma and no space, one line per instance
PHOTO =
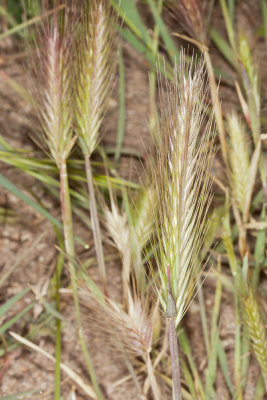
95,223
70,252
57,278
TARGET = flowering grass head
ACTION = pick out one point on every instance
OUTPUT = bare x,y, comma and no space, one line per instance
183,183
191,15
52,82
95,66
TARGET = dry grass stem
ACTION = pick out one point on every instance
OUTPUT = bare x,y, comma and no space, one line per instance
73,376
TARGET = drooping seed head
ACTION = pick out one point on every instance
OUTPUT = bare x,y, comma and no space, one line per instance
125,331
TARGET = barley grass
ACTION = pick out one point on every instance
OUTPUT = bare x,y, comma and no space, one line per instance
253,318
52,91
95,65
239,159
182,183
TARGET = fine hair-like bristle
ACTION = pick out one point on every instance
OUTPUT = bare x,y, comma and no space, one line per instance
95,66
125,331
191,15
182,182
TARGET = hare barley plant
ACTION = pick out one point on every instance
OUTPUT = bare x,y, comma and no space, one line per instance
95,66
53,95
183,185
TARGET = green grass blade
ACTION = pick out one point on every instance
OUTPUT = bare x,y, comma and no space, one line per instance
51,310
9,303
18,193
264,14
224,367
203,316
228,24
238,354
139,46
223,47
121,122
13,320
260,389
231,8
245,347
188,379
92,286
7,16
259,252
20,395
212,369
24,25
130,15
41,210
167,39
56,281
185,347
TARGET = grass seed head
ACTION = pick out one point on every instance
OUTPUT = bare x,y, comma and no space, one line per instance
254,321
95,67
253,316
129,331
249,73
143,218
191,15
182,182
117,226
52,89
239,159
